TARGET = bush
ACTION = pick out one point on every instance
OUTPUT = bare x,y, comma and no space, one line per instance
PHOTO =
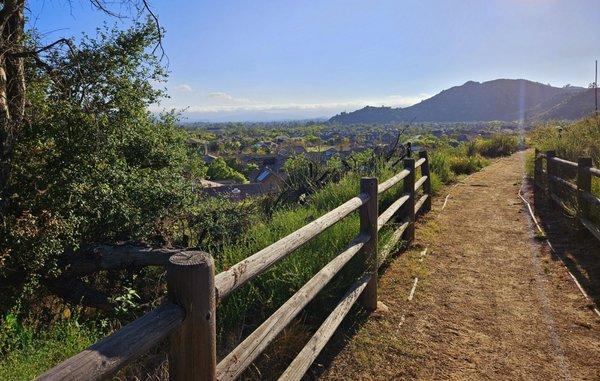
439,163
219,170
498,145
465,165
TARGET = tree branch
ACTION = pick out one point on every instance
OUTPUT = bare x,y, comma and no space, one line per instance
95,258
77,292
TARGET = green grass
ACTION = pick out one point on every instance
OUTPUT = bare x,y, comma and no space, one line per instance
27,353
571,141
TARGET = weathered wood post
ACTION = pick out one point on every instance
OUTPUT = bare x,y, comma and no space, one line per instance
584,184
537,171
192,347
368,226
536,167
409,189
427,183
550,171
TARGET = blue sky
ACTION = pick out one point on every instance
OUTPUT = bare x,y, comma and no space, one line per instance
271,60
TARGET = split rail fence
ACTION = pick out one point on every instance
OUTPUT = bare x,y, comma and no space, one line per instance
187,317
552,179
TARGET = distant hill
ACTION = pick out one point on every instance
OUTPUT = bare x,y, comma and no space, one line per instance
500,99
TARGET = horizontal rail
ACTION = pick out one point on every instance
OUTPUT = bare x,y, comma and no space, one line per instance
589,225
317,342
245,270
232,366
560,203
563,182
564,162
390,211
387,184
594,171
591,198
112,353
420,203
419,162
420,182
392,241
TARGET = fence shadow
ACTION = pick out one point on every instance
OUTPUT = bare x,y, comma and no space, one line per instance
579,250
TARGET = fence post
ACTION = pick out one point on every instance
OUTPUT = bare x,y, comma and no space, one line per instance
409,188
427,183
537,171
368,226
550,171
584,184
192,347
536,167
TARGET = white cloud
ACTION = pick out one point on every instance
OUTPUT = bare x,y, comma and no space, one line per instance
183,88
349,105
221,106
220,95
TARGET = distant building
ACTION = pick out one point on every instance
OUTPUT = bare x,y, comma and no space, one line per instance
209,158
269,179
238,192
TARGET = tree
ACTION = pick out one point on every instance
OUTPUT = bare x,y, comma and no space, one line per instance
219,170
90,164
15,50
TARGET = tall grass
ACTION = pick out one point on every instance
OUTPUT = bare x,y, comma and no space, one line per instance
575,140
26,353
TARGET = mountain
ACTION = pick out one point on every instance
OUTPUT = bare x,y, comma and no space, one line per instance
500,99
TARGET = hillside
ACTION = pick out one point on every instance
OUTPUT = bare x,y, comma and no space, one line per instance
500,99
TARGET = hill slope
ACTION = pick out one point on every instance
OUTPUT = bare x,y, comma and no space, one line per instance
500,99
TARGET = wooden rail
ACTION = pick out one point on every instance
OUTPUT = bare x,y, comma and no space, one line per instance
187,318
548,182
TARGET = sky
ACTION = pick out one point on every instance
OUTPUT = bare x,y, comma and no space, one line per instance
261,60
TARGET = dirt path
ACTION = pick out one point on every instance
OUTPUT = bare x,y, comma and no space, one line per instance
489,303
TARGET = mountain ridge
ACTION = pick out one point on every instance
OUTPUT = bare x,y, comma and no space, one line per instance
498,99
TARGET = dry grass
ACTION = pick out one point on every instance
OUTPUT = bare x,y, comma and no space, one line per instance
489,303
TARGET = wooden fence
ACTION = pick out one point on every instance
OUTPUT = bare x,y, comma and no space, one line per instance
552,179
187,318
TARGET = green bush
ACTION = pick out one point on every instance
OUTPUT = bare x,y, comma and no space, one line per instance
439,163
219,170
465,165
498,145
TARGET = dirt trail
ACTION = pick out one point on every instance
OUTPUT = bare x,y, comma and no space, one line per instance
489,304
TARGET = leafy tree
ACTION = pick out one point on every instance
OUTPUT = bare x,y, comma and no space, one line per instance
219,170
91,164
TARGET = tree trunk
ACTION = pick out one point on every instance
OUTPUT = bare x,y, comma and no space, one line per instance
12,88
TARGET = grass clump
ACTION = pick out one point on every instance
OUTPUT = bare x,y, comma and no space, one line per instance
571,141
26,352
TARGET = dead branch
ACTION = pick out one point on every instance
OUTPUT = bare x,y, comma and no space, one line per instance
95,258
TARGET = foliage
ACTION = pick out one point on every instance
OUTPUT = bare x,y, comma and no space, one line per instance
214,222
219,170
498,145
439,164
579,139
572,141
25,353
465,165
92,164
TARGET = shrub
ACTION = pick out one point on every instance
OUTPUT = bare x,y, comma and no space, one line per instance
439,163
219,170
465,165
498,145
